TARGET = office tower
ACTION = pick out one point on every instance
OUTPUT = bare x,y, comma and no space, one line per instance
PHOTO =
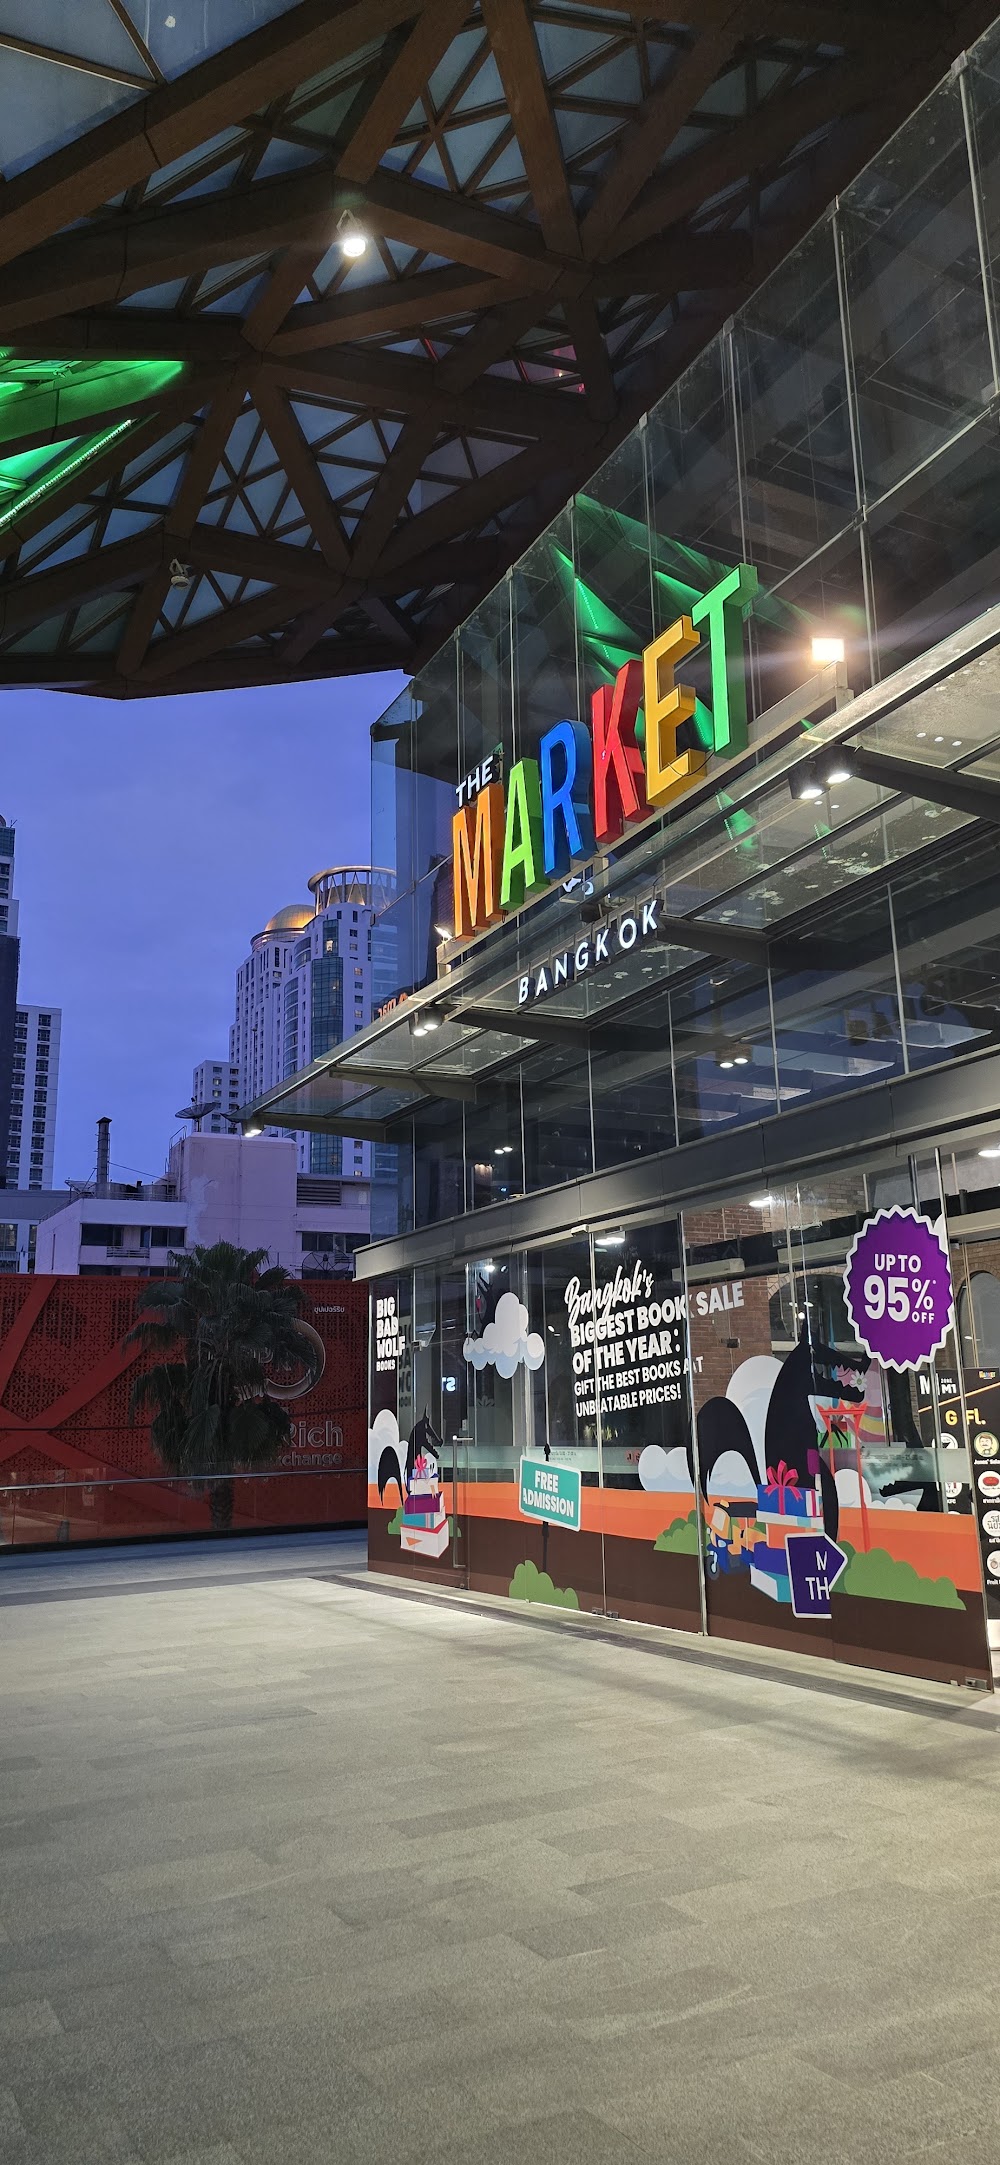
35,1083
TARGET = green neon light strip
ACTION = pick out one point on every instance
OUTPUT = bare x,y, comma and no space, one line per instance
59,473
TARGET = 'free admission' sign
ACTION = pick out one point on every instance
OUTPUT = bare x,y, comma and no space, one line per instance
551,1494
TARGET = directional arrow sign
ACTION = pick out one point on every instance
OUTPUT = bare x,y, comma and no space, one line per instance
814,1566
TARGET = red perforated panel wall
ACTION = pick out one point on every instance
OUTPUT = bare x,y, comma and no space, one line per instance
65,1381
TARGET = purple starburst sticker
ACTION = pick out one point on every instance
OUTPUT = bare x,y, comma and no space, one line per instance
897,1284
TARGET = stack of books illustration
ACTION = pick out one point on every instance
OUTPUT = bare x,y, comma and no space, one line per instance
424,1524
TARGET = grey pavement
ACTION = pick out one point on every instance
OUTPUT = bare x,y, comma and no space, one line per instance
294,1869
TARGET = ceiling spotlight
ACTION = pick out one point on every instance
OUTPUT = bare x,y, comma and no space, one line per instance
762,1202
351,237
806,788
724,1059
253,1131
835,774
180,574
742,1055
827,648
609,1240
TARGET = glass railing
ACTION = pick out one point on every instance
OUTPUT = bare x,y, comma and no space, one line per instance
62,1513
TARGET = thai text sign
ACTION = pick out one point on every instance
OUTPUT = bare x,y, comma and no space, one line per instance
551,1494
897,1285
588,785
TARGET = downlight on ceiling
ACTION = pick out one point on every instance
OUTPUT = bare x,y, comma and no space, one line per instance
827,648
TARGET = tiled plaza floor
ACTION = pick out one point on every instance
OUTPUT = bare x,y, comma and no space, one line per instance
293,1871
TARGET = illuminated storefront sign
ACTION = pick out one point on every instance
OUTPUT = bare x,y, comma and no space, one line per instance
587,786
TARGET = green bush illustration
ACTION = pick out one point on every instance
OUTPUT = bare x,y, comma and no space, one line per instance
530,1584
395,1522
680,1538
884,1578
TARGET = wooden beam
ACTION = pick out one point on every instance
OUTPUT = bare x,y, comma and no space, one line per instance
721,24
367,311
762,139
461,396
302,471
592,358
428,41
175,405
459,227
107,263
130,334
176,117
249,556
202,460
211,635
511,34
308,628
29,601
470,505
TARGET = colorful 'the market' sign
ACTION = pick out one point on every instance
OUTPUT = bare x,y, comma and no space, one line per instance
587,786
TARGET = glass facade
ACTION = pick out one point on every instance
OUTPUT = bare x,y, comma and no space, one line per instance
620,1202
841,435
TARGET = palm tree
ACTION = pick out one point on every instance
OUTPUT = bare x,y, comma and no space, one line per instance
227,1321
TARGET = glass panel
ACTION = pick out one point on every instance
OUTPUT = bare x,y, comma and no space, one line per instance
915,295
935,548
798,465
557,1131
983,80
486,709
836,1018
695,514
544,595
438,1162
947,916
722,1051
613,569
494,1165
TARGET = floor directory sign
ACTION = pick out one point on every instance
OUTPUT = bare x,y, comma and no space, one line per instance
897,1285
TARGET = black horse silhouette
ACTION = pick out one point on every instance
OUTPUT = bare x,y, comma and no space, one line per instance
424,1440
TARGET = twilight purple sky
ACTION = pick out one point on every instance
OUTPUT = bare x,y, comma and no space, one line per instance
154,838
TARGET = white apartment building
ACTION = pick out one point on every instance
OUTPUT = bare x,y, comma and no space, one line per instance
215,1085
32,1141
217,1187
306,986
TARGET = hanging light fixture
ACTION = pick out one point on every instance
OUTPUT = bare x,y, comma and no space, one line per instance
351,236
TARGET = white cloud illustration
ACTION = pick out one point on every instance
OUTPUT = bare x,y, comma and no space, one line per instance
507,1340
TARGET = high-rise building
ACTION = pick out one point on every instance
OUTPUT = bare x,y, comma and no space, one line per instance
215,1085
35,1083
306,986
9,954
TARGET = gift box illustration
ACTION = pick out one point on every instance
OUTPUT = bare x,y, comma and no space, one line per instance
786,1503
